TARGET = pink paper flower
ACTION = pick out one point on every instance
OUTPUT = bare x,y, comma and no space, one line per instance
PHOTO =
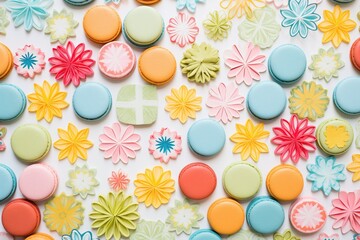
165,145
118,181
119,143
71,64
29,61
295,139
182,29
346,212
225,102
324,236
245,65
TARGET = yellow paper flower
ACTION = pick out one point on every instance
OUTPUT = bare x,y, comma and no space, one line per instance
336,26
336,136
47,101
154,187
73,144
354,167
247,140
183,103
237,8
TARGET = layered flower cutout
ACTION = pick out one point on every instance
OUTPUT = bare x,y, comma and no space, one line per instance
239,8
165,145
325,64
29,61
61,26
147,230
217,25
82,181
118,181
182,29
354,167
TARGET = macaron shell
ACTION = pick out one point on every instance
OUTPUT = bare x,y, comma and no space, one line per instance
148,2
7,182
78,2
40,236
204,234
355,54
6,62
12,102
346,95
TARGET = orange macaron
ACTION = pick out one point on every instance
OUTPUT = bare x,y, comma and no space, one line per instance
6,62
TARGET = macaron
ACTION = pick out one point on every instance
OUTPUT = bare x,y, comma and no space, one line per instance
6,63
197,181
226,216
355,54
40,236
334,136
102,24
92,101
266,100
264,215
346,96
206,137
12,102
241,180
31,142
148,2
38,182
204,234
284,182
7,182
21,218
157,65
78,2
287,64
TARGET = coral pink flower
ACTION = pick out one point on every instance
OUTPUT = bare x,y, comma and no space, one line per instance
324,236
182,29
118,181
71,64
29,61
165,145
295,139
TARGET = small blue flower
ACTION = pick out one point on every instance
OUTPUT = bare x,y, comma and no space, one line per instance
189,4
76,235
28,60
325,174
112,1
165,144
300,17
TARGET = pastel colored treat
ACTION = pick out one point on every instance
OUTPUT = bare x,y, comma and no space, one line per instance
21,218
157,65
40,236
38,182
204,234
6,62
355,54
3,131
102,24
226,216
284,182
346,95
197,181
264,215
241,180
12,102
7,183
334,136
116,60
78,2
266,100
287,64
148,2
31,142
92,101
304,209
206,137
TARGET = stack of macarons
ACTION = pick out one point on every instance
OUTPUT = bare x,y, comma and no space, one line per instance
6,62
78,2
346,96
12,102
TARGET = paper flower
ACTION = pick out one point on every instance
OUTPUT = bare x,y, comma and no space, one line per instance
324,236
82,181
346,211
165,145
309,100
336,26
73,144
3,131
114,215
47,101
118,181
238,8
336,136
354,167
63,213
262,29
190,5
183,217
182,29
287,235
325,175
71,64
4,21
217,25
61,26
295,139
247,140
119,143
154,187
76,235
325,64
356,237
245,234
245,65
112,1
31,13
147,230
225,102
279,3
29,61
183,103
200,63
357,140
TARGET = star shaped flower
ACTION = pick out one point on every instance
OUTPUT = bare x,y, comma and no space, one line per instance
325,64
61,26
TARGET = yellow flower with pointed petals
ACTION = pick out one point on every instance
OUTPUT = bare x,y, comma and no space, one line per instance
247,142
238,8
336,26
183,103
47,101
354,167
336,136
73,144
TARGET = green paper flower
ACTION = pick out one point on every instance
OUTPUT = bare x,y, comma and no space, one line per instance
149,230
287,235
217,25
4,21
82,181
61,26
183,217
326,64
245,235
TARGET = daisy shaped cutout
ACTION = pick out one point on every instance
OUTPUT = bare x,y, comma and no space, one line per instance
4,22
71,64
239,8
324,236
190,5
279,3
354,167
82,181
245,65
225,102
61,26
29,61
118,181
165,145
182,29
112,1
76,235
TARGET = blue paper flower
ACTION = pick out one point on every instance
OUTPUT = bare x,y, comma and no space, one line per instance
300,17
356,237
325,174
189,4
31,13
76,235
112,1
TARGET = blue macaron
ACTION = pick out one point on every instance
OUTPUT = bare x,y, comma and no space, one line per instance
204,234
12,102
346,96
78,2
7,183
